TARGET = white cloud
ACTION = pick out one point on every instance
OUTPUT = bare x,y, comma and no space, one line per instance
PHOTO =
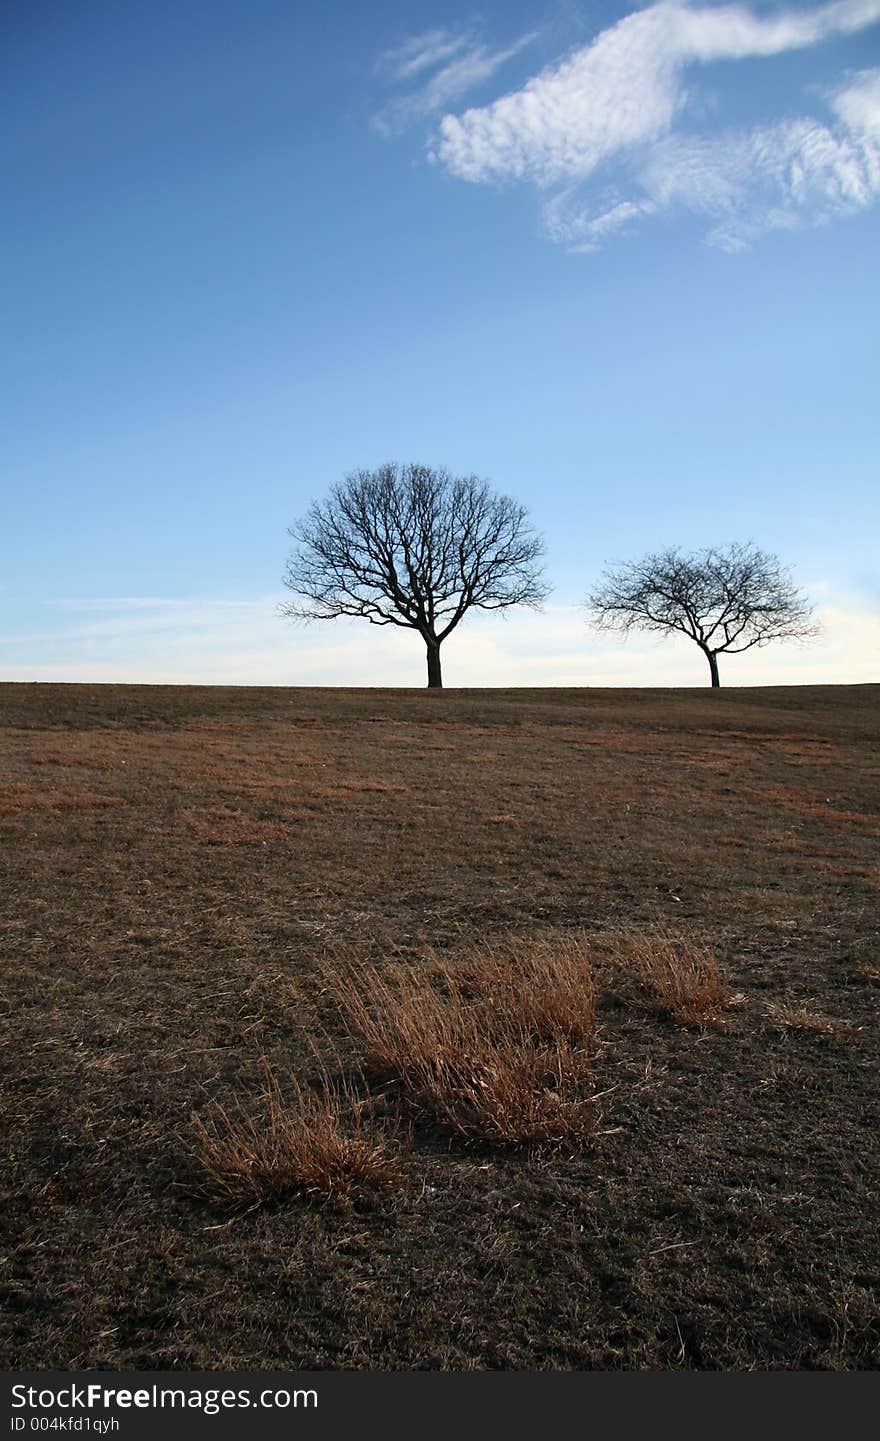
622,101
745,182
420,52
459,62
223,642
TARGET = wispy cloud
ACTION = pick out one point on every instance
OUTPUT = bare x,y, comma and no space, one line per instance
420,52
606,130
445,65
571,222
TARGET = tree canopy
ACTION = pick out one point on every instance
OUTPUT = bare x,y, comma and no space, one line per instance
413,546
726,600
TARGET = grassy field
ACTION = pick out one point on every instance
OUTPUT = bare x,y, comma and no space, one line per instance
237,921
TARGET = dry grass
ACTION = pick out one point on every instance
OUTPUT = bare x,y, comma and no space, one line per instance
801,1018
544,984
672,976
233,828
378,788
21,800
323,1143
146,969
64,758
496,1044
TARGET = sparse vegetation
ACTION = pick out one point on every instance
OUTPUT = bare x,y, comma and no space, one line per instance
674,1211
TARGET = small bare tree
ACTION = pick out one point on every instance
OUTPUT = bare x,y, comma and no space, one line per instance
411,546
726,601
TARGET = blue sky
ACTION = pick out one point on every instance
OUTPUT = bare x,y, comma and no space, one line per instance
621,262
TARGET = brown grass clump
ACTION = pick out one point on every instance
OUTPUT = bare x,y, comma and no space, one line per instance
321,1143
544,984
672,976
505,1090
494,1045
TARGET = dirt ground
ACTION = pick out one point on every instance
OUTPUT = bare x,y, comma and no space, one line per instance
177,860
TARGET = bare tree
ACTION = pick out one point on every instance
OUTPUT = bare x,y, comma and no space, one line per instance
411,546
726,601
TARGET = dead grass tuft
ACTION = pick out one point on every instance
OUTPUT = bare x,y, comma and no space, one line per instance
672,976
801,1018
495,1044
321,1143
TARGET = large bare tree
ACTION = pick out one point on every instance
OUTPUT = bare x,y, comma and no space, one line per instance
725,600
416,547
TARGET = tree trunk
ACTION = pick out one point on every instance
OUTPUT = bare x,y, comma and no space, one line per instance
712,658
435,678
